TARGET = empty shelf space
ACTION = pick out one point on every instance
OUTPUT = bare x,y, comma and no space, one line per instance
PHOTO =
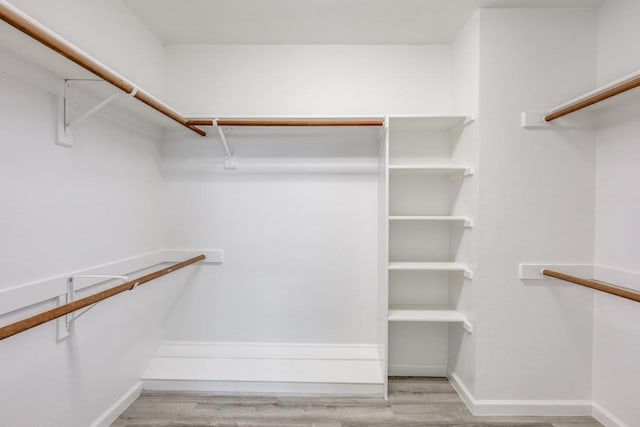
427,122
424,313
431,266
431,169
468,222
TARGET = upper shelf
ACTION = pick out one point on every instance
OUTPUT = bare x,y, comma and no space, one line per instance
47,48
600,94
427,122
585,118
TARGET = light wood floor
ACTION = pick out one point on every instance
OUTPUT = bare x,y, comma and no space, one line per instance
412,402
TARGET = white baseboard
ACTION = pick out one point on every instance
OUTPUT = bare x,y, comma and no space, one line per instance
606,418
418,370
114,411
462,390
214,367
519,407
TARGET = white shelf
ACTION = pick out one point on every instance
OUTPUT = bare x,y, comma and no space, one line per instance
468,222
427,122
431,170
424,313
431,266
265,368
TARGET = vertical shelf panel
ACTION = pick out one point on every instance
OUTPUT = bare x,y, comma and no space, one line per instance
383,256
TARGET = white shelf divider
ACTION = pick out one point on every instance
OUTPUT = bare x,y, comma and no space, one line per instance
428,122
424,313
428,313
422,169
431,266
468,222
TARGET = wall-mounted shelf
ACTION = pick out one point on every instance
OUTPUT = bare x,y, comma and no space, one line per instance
424,313
543,120
428,122
57,45
407,169
431,266
468,222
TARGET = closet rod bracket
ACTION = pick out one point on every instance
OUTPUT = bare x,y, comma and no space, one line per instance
534,120
229,155
66,125
65,324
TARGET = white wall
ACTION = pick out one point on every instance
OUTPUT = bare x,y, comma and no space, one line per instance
536,205
105,29
616,336
309,79
65,209
300,257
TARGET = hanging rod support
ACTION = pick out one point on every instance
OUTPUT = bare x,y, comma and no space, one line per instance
384,131
65,324
91,111
65,125
68,308
229,157
34,29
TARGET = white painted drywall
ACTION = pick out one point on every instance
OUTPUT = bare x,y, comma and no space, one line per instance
536,204
309,79
616,335
65,209
300,257
107,30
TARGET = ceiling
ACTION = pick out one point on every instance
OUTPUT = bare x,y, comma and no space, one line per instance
317,21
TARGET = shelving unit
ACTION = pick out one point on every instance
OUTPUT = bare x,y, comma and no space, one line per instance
425,221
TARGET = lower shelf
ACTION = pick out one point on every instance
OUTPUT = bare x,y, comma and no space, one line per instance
431,266
468,222
424,313
265,368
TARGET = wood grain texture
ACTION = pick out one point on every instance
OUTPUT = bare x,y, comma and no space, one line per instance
594,99
428,402
594,284
285,122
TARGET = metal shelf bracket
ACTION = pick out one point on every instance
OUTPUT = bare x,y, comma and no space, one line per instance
65,324
65,124
229,155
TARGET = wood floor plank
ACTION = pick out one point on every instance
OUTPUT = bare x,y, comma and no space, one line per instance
413,402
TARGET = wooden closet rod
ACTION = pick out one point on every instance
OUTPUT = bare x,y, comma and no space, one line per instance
614,90
594,284
42,34
63,310
285,122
